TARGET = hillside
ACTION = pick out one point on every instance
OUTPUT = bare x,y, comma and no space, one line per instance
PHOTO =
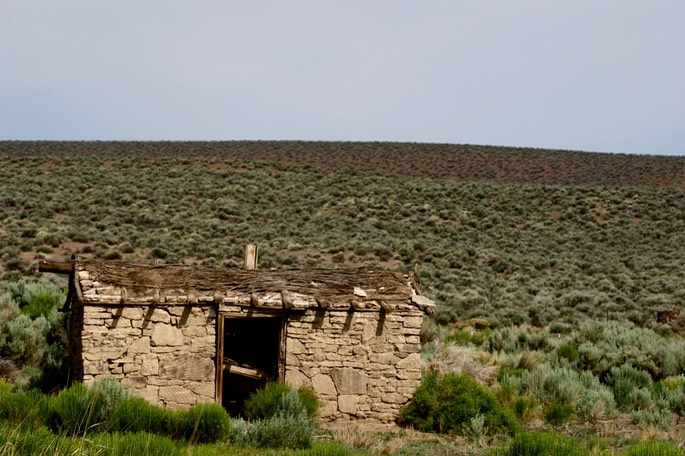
469,163
511,235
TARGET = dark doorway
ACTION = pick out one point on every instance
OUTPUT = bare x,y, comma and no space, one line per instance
251,357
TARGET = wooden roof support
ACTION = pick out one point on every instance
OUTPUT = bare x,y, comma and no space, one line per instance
385,307
57,267
254,299
287,299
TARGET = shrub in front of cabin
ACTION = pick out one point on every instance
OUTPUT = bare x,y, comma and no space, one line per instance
445,404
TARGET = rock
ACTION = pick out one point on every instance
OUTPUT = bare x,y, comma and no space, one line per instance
166,335
186,367
176,394
323,385
412,361
349,381
296,379
348,404
141,345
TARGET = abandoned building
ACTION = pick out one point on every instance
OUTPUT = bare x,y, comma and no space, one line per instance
181,334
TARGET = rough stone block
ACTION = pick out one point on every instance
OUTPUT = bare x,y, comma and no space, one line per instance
384,358
294,346
328,409
412,361
132,313
291,359
349,381
323,385
393,398
134,381
205,389
348,404
296,379
139,345
176,395
186,367
166,335
159,316
150,394
149,365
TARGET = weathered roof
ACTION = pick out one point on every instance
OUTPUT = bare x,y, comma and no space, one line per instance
127,283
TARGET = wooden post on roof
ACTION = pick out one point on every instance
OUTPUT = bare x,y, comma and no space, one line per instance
251,256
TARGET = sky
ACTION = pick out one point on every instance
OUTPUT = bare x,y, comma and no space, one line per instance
591,75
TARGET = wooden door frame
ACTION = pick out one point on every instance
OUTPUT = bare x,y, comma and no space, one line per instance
219,382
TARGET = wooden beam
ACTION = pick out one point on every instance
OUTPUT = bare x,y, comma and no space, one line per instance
57,267
251,256
387,308
287,299
323,303
254,299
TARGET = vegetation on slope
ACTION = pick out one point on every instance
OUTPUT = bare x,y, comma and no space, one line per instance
513,254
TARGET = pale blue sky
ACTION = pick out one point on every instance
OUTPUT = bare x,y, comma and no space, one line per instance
595,75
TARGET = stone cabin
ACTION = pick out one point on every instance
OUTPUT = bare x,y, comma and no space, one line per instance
181,334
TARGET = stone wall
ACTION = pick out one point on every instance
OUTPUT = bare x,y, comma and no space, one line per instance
361,364
166,353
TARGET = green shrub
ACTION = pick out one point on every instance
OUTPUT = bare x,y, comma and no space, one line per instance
36,298
265,402
26,409
525,408
653,448
558,414
35,344
445,403
563,385
135,414
567,351
602,346
112,393
310,401
288,427
631,387
268,400
542,444
204,423
75,411
659,418
670,392
281,431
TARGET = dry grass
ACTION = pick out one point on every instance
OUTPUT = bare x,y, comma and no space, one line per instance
458,359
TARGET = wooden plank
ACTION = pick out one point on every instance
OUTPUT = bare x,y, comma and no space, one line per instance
57,267
251,256
219,383
287,299
387,308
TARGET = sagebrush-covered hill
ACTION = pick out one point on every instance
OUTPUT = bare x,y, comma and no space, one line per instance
510,235
460,162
